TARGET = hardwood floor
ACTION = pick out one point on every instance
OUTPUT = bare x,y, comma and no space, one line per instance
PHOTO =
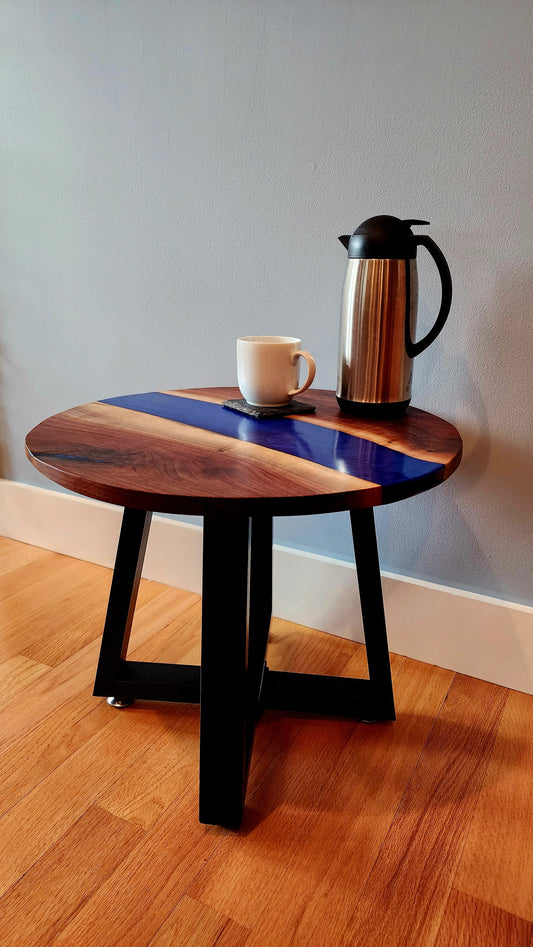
413,833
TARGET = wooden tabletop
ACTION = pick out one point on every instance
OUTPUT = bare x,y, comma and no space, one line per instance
183,452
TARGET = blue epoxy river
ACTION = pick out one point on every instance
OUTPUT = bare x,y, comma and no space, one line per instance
345,453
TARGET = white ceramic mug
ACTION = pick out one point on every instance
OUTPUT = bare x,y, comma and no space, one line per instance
268,369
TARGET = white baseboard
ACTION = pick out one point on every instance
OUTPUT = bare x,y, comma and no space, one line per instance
472,634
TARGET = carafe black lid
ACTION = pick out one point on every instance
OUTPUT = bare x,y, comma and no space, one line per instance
382,238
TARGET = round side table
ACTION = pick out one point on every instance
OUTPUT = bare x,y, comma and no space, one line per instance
184,452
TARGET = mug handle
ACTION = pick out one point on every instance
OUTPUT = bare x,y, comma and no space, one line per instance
311,370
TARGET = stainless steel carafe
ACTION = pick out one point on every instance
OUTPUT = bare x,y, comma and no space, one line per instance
378,316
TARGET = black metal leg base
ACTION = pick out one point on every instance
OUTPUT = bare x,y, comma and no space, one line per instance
318,694
236,610
365,700
127,680
234,684
380,705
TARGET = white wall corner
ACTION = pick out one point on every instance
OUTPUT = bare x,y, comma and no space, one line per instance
472,634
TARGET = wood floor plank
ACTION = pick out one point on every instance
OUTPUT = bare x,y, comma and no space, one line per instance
176,630
292,647
157,625
44,605
197,925
52,618
70,623
406,893
17,673
315,823
469,922
142,792
72,676
28,760
497,861
56,635
60,684
49,810
132,905
39,905
14,554
56,576
26,571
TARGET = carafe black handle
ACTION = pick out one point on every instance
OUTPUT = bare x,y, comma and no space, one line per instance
415,348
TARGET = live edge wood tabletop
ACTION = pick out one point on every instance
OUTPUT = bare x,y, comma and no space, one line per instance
183,452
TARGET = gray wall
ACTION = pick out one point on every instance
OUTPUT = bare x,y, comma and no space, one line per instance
175,173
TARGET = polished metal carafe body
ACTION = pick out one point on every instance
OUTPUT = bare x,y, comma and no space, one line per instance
378,317
374,367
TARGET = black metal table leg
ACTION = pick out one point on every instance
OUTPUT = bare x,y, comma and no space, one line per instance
223,681
374,627
122,599
365,700
260,613
236,611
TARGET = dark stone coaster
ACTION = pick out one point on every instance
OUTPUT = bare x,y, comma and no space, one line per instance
293,407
